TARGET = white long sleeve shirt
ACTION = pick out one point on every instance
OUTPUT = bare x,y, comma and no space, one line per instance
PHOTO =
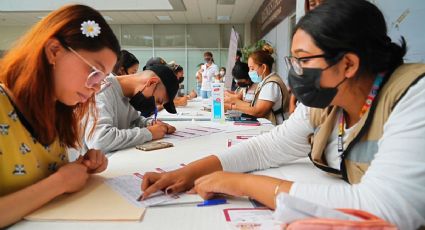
393,187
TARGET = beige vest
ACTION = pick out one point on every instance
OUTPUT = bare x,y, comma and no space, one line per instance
362,144
271,116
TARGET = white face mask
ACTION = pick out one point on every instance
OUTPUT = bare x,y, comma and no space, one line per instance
222,73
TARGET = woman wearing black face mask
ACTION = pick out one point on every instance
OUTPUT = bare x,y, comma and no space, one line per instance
365,124
245,87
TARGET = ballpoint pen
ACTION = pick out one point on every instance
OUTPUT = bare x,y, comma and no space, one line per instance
212,202
151,196
155,115
155,194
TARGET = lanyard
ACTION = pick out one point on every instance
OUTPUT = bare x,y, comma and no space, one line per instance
368,103
260,85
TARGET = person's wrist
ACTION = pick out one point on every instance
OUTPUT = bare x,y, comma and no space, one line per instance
190,174
151,131
242,182
149,121
59,180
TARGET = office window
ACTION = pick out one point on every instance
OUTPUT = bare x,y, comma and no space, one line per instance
184,44
203,36
172,54
224,53
169,36
136,36
142,55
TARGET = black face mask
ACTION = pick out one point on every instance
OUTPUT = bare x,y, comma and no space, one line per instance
145,105
181,79
243,84
307,90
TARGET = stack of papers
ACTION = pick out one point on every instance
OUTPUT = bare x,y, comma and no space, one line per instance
129,187
191,131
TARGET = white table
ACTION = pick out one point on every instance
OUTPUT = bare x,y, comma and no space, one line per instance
192,111
185,216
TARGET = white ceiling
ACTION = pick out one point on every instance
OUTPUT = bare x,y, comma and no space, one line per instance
28,12
43,5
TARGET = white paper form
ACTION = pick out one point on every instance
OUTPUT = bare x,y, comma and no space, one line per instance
248,214
251,218
129,187
191,132
229,128
289,209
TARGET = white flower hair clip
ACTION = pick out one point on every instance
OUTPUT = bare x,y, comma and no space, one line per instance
90,28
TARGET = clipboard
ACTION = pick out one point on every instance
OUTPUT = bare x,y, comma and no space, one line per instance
97,201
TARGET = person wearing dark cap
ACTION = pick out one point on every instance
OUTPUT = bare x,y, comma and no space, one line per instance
124,106
245,87
181,99
154,61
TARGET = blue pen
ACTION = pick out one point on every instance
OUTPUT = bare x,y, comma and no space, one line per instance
155,114
212,202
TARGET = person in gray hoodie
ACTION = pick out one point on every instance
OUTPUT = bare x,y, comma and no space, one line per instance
124,108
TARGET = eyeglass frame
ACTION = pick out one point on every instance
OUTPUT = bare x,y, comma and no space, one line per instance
299,71
103,83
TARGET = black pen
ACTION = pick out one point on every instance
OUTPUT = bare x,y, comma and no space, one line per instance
151,196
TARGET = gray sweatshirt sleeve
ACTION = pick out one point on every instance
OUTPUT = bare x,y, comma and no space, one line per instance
141,122
107,136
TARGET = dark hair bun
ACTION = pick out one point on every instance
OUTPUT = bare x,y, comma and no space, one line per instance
267,48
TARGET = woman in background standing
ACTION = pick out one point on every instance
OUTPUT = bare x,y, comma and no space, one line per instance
209,72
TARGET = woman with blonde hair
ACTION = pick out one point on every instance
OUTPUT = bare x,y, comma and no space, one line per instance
47,85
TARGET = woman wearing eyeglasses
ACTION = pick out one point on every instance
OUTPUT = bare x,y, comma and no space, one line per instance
362,119
48,81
